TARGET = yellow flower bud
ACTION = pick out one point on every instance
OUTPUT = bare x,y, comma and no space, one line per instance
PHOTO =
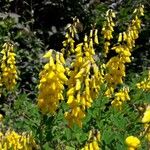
91,33
85,38
78,84
48,54
80,73
120,37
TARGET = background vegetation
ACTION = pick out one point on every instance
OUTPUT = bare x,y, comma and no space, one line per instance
34,26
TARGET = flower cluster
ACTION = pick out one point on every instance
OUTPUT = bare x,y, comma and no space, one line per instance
126,40
120,97
14,141
115,67
68,43
52,80
8,67
132,142
115,71
93,140
145,84
108,29
84,80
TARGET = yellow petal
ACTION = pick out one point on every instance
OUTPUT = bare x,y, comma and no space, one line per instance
48,54
70,99
78,84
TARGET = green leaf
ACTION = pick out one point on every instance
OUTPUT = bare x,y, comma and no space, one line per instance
69,148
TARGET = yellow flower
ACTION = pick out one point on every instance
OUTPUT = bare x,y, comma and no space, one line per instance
92,143
83,84
115,71
132,142
146,117
15,141
145,84
109,92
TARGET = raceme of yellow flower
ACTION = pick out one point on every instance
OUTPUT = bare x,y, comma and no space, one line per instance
109,92
8,67
126,39
68,43
120,97
14,141
132,142
108,29
93,141
115,67
52,80
84,82
124,53
145,84
115,71
109,24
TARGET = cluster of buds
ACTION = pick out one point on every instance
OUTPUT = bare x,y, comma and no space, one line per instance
109,92
145,84
69,42
84,80
8,67
52,80
115,71
108,29
93,140
14,141
120,98
132,142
